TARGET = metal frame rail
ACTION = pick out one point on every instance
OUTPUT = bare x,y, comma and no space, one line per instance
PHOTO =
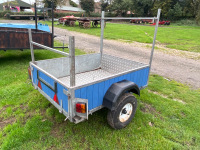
71,54
52,17
154,39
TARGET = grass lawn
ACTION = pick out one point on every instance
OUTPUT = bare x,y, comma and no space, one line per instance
29,121
176,37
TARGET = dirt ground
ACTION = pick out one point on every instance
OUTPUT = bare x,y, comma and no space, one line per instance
172,64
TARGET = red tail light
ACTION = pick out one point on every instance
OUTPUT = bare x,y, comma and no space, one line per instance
29,70
81,107
55,98
39,85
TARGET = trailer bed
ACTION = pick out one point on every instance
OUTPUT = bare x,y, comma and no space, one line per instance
89,72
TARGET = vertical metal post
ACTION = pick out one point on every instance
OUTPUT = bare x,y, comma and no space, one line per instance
35,17
154,41
102,31
72,60
52,16
31,45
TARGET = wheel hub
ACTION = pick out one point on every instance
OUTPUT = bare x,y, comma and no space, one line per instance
126,112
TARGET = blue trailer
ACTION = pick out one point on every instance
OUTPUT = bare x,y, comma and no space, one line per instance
80,85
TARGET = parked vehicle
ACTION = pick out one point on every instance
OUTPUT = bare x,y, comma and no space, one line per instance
151,21
80,85
139,21
28,10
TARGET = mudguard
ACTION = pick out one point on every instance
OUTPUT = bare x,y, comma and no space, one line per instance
116,90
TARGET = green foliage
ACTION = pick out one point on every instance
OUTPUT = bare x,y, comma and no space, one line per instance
104,5
87,5
47,3
8,3
185,22
107,14
2,13
7,15
198,13
73,3
122,6
176,12
165,5
142,7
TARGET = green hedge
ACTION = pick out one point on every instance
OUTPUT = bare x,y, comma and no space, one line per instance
59,15
2,13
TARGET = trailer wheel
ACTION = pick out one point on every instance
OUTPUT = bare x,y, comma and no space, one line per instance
30,18
140,21
59,21
124,111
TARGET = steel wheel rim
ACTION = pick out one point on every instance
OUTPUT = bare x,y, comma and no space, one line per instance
126,112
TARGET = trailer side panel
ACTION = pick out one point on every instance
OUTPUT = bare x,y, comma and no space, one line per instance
95,93
51,93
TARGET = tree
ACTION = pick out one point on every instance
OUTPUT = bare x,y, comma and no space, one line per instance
142,7
72,3
87,5
9,3
121,6
60,3
165,5
177,10
47,3
198,13
104,5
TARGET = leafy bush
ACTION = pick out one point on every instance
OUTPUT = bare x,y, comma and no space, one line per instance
7,15
2,13
59,15
185,22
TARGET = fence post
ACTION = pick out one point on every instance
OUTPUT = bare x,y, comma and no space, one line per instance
154,41
72,60
102,31
31,45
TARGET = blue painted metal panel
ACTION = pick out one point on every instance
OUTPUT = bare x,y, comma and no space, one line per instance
95,93
48,91
29,26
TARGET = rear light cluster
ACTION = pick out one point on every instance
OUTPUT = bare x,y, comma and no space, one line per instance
81,107
29,72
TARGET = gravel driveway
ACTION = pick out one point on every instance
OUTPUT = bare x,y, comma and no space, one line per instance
179,68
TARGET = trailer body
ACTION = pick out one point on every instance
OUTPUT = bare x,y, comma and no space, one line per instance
92,81
15,36
30,17
80,85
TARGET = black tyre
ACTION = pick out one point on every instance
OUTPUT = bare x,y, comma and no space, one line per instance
124,111
30,18
140,21
60,22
